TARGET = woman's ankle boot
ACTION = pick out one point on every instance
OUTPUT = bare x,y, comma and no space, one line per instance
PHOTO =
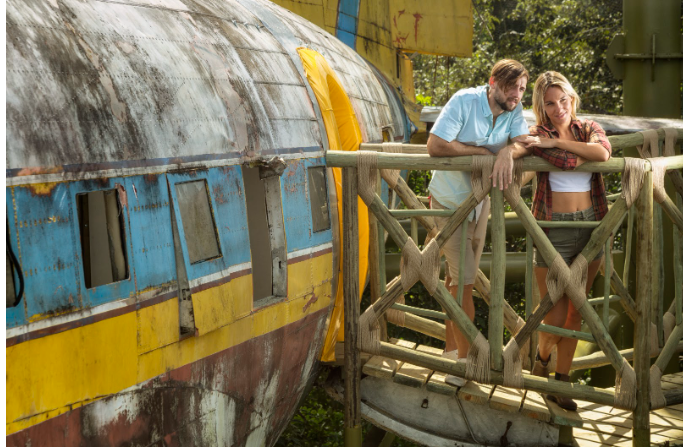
563,402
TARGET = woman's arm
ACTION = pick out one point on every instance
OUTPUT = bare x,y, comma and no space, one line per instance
588,151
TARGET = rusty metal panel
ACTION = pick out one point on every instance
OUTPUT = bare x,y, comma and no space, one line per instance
436,27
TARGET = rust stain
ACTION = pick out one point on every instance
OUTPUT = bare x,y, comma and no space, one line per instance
122,195
42,189
395,22
313,299
417,17
39,170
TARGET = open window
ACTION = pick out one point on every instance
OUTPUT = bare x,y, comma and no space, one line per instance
319,198
103,241
262,185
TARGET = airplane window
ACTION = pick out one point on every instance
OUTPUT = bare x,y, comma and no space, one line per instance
198,221
319,199
103,242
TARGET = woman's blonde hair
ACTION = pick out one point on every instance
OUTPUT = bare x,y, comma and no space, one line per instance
543,83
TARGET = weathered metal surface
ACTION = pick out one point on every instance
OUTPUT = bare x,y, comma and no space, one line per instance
241,396
101,82
136,97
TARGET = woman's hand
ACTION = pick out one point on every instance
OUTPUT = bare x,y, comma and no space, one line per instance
542,142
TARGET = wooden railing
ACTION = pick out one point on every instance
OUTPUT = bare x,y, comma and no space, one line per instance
367,333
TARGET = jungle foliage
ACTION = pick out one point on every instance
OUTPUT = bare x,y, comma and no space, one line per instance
569,36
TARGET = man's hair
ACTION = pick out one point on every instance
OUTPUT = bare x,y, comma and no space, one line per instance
507,72
543,83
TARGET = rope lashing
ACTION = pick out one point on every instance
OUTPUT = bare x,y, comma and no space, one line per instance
396,316
659,168
632,179
482,167
366,175
420,265
479,360
625,387
391,175
650,147
657,397
513,191
370,332
671,135
512,359
557,278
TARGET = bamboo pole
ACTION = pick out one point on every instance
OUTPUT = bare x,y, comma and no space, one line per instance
627,301
678,273
644,274
464,163
577,335
425,326
381,251
617,141
375,265
670,348
658,275
352,424
483,286
420,312
607,281
673,213
598,359
627,246
460,272
403,214
498,264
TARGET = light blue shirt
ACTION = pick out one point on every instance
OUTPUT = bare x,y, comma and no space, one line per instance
467,118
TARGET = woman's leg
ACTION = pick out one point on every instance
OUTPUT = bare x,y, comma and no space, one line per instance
556,317
567,346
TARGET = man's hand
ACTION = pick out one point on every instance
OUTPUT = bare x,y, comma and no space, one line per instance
502,169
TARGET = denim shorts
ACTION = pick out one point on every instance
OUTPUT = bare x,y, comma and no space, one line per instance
569,242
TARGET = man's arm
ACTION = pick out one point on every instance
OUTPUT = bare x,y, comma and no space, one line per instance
504,162
438,147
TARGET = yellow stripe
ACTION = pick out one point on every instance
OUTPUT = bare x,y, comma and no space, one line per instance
51,375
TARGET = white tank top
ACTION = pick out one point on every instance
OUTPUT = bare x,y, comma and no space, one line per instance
570,181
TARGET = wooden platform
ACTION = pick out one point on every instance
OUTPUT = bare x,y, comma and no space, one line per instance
593,425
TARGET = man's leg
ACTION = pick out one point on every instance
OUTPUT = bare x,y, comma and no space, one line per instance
453,336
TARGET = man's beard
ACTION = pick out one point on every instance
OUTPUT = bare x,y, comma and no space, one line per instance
503,104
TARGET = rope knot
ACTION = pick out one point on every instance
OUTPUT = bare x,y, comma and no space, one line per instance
391,175
482,167
632,179
366,175
557,278
420,265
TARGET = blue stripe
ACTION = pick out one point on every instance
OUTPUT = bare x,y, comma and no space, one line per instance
346,26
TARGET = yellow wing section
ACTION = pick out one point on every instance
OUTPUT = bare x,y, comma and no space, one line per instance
343,133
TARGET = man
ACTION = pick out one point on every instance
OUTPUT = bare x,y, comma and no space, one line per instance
476,121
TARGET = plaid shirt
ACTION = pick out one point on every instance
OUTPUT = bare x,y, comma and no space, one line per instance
587,132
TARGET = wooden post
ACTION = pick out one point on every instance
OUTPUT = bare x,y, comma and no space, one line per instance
352,422
659,274
644,284
607,282
495,313
376,252
678,270
627,245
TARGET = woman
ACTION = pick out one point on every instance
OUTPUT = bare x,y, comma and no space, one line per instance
565,142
